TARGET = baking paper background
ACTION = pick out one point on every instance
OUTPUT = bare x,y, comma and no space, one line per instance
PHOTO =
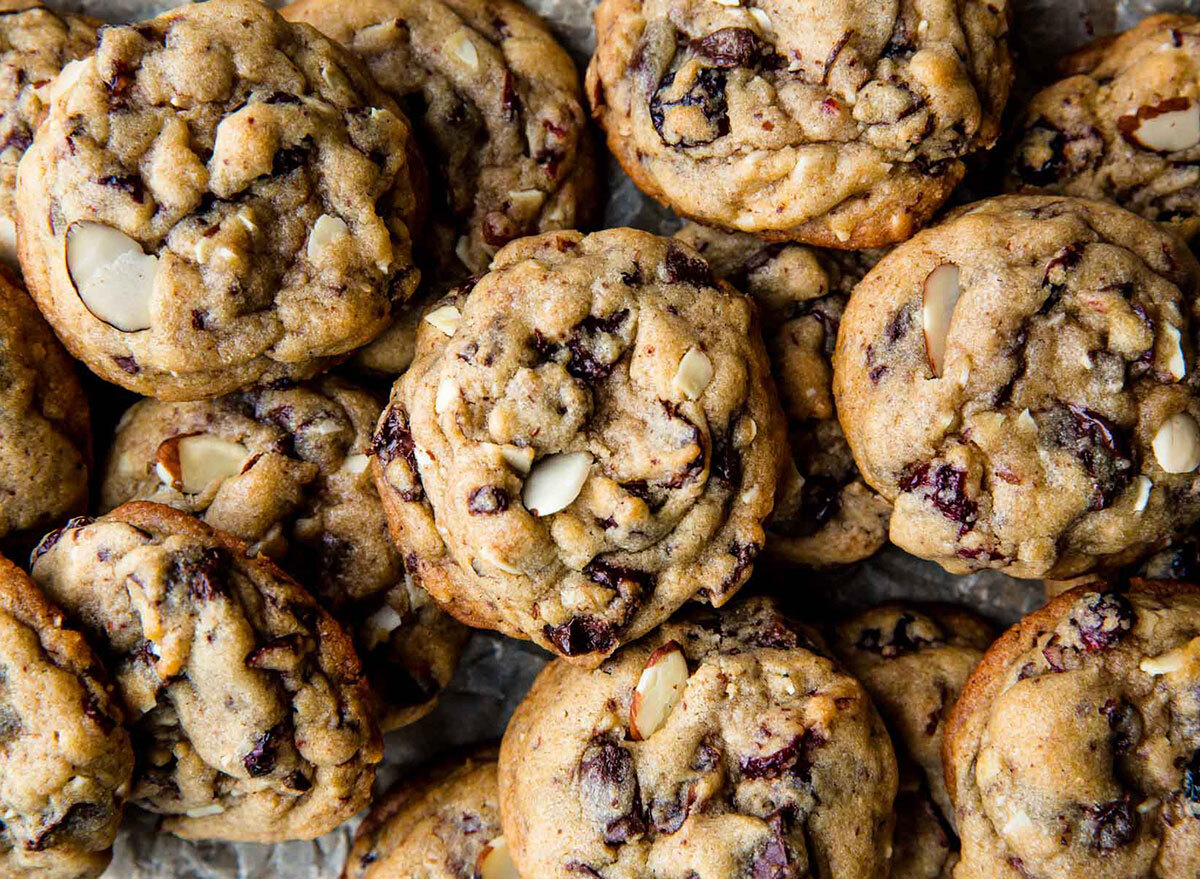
496,671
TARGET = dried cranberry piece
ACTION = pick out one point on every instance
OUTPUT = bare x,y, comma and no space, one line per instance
201,571
732,47
1099,445
127,364
707,92
510,101
707,757
583,363
667,816
1126,723
1112,825
394,439
487,500
580,635
120,82
92,709
946,491
685,269
261,759
793,759
48,542
1103,621
743,555
774,861
726,462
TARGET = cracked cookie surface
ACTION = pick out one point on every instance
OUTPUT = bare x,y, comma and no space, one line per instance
35,44
245,700
287,471
825,515
217,197
65,758
1123,125
839,123
45,433
1074,750
443,824
1021,381
913,660
721,745
587,439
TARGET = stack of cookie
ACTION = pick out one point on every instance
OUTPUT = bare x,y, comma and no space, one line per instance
390,392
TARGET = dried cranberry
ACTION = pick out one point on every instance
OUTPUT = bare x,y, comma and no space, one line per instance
707,92
580,635
48,542
1103,621
774,861
707,757
743,557
487,500
685,269
732,47
261,759
201,571
127,364
92,709
1099,445
793,759
1112,825
584,364
946,491
726,461
394,439
667,816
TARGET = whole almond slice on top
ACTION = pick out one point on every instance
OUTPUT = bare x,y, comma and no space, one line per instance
658,691
192,462
555,482
111,274
495,861
1177,444
1167,127
938,299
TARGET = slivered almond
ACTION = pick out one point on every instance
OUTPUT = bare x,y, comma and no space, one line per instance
939,297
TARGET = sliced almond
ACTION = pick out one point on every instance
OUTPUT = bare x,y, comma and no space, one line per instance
526,199
1176,364
205,811
380,625
444,319
1177,444
447,394
191,463
1171,661
325,232
355,464
462,47
658,691
1167,127
555,481
1025,421
112,275
694,373
520,458
1143,486
763,21
938,300
495,861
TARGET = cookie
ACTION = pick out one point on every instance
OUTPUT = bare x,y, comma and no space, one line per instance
35,43
825,515
835,123
913,660
249,714
45,434
925,847
721,745
65,760
1074,750
217,197
496,107
287,471
1123,125
444,824
586,440
1021,382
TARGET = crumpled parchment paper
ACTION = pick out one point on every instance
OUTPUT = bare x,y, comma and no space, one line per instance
496,671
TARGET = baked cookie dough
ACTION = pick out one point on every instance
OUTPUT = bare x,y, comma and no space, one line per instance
913,660
1074,751
65,759
45,434
825,515
217,197
586,440
1123,125
496,107
721,745
840,123
444,824
35,43
287,471
1021,381
249,714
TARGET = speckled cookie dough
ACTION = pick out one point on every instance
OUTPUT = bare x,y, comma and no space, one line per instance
721,745
65,759
1123,125
444,824
287,471
249,714
35,43
585,441
913,660
217,197
497,109
1021,381
1074,751
825,515
45,437
837,123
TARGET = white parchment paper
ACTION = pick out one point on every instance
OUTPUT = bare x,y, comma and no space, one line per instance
496,671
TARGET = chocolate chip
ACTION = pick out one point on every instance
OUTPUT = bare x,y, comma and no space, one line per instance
392,440
726,464
290,158
1126,723
1190,784
743,557
630,583
581,635
707,92
127,183
201,571
732,47
1112,825
902,638
774,861
584,363
793,759
487,500
48,542
682,268
608,787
